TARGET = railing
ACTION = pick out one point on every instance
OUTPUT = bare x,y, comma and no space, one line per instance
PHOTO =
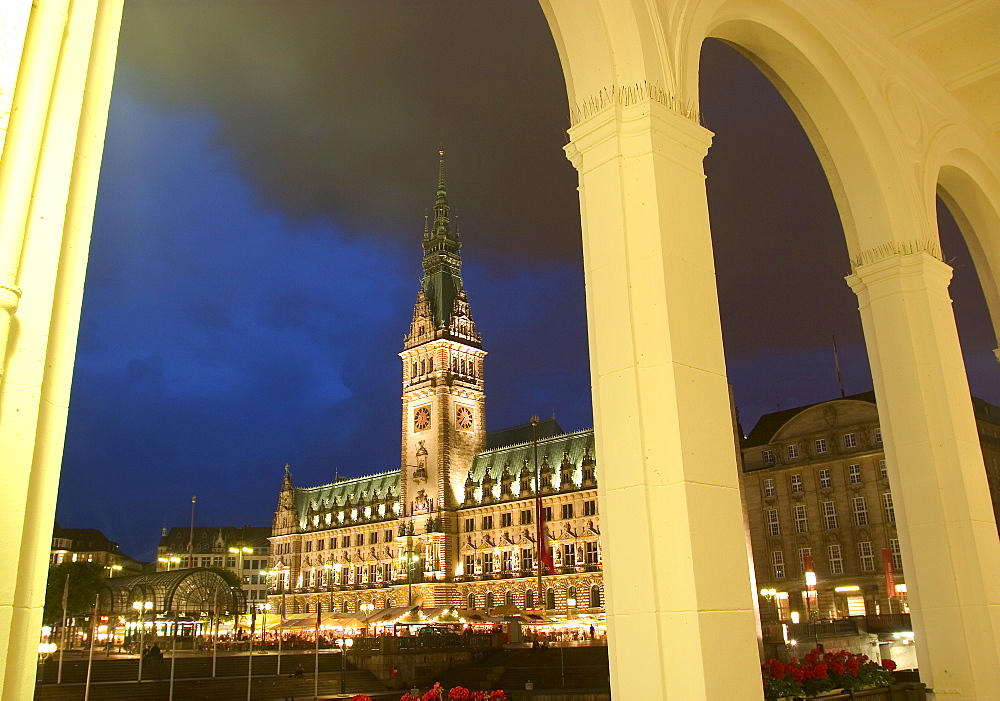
831,629
889,623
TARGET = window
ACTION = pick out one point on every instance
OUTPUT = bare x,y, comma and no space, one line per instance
508,598
507,561
836,559
767,456
388,537
595,597
529,599
877,434
590,553
804,553
374,537
527,559
824,479
569,555
866,557
472,601
778,564
309,546
850,440
470,525
487,563
525,516
796,481
547,513
470,564
829,515
860,511
487,523
768,487
821,446
897,557
854,474
550,599
773,527
801,520
890,513
590,508
883,473
333,543
567,510
793,451
506,520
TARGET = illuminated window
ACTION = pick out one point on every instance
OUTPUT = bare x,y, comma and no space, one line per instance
778,564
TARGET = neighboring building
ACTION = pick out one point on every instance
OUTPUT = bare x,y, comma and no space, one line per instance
815,485
90,545
456,524
214,546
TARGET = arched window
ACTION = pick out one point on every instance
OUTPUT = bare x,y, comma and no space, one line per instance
570,594
529,599
509,598
489,600
423,367
414,373
430,365
550,599
388,603
472,601
343,607
595,597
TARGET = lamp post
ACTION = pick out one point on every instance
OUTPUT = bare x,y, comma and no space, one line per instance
771,596
367,610
344,644
141,607
239,566
409,557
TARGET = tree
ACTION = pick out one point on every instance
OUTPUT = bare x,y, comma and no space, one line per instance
86,579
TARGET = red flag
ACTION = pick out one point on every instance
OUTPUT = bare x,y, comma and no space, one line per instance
890,580
544,551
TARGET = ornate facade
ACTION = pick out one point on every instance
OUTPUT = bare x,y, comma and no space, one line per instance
457,523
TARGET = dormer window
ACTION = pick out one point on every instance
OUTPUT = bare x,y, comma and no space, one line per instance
792,451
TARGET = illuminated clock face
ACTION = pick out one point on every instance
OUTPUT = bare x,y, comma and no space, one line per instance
464,417
422,418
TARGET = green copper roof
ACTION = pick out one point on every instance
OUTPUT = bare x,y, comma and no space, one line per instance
329,496
574,444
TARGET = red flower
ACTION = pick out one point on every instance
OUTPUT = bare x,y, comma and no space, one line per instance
458,693
498,695
889,664
361,697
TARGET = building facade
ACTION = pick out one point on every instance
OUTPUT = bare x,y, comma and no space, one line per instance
90,545
818,499
457,523
243,551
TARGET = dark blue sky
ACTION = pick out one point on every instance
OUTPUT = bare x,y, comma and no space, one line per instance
256,249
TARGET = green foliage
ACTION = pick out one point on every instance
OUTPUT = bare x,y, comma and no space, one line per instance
86,579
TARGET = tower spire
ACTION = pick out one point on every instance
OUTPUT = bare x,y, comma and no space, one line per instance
442,225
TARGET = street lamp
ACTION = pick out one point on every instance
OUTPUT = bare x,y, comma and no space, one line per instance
367,610
141,607
771,596
409,557
344,644
168,561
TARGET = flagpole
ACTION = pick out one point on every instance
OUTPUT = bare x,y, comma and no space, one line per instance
319,615
90,657
539,527
62,632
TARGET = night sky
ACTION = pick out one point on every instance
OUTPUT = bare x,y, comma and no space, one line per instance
256,249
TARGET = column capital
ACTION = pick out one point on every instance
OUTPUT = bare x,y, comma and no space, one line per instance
899,267
633,123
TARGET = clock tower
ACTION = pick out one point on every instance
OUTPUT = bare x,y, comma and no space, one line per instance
443,425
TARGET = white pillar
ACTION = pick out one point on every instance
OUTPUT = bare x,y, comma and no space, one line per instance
48,183
948,536
675,561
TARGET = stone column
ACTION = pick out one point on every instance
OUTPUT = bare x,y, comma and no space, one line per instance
48,184
675,559
944,517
